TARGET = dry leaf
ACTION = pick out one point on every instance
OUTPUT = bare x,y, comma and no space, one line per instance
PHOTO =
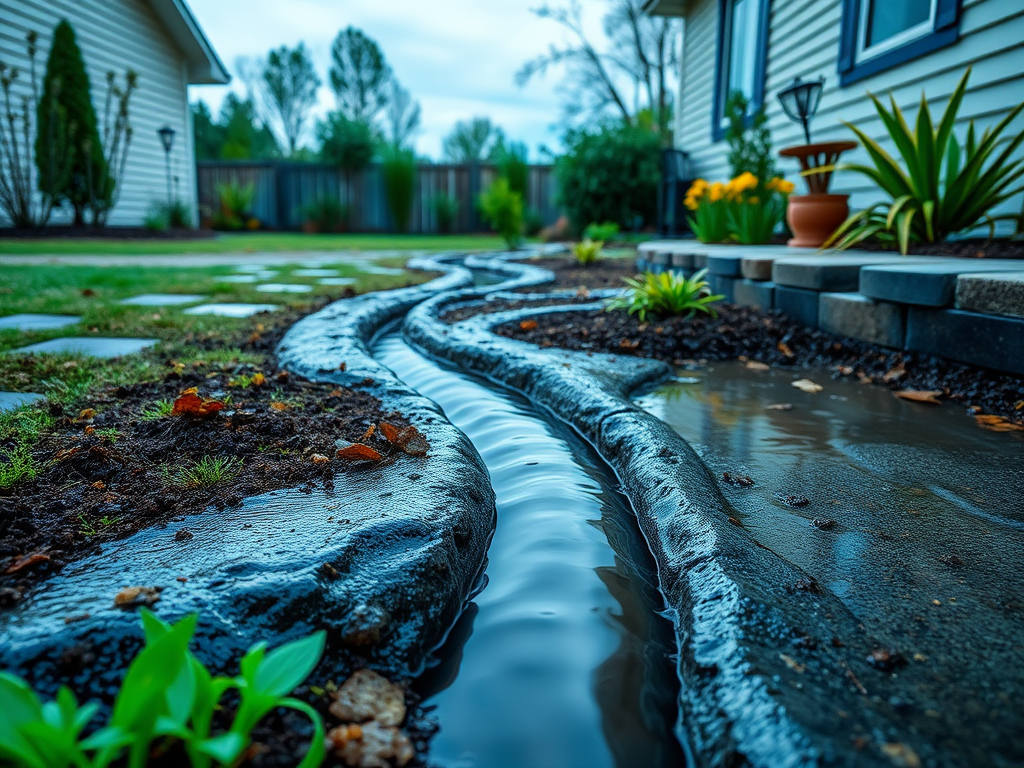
894,373
129,597
920,396
27,562
276,406
528,325
342,367
390,431
358,452
191,404
258,380
806,385
89,430
368,433
997,423
901,755
99,485
87,414
784,349
754,365
410,439
319,458
793,663
781,407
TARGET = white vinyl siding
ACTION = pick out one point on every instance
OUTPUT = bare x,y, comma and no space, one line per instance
118,35
804,41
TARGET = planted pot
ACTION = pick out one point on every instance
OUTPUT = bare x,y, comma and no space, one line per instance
813,218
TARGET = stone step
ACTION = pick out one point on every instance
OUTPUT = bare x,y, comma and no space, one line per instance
754,293
230,310
931,284
29,322
798,303
831,271
858,317
92,346
162,299
986,340
994,294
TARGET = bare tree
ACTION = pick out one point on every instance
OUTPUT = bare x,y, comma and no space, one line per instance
634,71
402,115
360,76
473,141
288,83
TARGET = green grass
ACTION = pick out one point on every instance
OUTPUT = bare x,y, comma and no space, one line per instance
20,428
209,470
254,242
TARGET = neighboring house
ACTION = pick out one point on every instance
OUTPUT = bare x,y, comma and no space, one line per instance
902,46
160,40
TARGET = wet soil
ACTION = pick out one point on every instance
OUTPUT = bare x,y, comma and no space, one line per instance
116,463
974,248
570,274
771,338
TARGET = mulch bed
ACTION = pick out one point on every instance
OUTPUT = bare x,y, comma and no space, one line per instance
570,274
105,233
108,474
974,248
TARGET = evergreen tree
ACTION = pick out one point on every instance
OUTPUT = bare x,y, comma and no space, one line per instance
66,127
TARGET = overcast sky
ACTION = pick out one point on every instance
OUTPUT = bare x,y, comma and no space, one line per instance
457,57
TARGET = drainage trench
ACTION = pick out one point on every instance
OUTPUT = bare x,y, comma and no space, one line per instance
564,659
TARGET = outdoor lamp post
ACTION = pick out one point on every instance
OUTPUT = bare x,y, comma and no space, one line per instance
800,100
167,139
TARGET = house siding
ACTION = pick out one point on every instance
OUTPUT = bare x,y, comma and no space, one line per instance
804,41
117,35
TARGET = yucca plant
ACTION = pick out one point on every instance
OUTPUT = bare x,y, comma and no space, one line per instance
942,187
666,294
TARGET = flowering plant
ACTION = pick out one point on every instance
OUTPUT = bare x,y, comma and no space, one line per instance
744,210
709,221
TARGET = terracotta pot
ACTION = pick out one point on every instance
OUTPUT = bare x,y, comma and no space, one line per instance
813,218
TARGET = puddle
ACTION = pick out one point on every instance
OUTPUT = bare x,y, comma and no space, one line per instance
563,659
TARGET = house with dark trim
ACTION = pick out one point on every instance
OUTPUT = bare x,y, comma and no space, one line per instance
901,47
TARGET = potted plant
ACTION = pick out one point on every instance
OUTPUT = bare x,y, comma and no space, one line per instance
815,216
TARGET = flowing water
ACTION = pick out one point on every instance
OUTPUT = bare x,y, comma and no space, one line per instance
564,659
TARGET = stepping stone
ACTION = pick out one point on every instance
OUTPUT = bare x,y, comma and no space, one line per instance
336,281
37,322
284,288
799,304
231,310
754,293
858,317
996,294
11,400
240,278
315,273
163,299
89,345
373,269
931,285
253,268
831,272
985,340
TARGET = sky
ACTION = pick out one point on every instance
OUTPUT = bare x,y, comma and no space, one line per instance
457,57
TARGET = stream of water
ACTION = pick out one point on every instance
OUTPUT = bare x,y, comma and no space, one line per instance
564,659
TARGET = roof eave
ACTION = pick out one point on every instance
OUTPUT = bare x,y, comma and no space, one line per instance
204,66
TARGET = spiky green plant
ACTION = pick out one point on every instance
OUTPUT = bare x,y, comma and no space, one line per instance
209,470
587,251
941,188
666,294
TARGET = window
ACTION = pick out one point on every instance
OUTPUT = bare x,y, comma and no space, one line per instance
742,50
880,34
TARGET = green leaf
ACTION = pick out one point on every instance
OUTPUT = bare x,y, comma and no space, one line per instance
225,749
20,706
317,752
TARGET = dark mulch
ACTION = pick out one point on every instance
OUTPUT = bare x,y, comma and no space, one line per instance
975,248
772,338
570,274
105,233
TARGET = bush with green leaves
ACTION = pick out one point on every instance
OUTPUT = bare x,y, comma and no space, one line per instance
235,200
166,694
326,214
610,173
605,232
503,210
163,216
942,187
666,294
513,165
399,168
587,251
749,139
446,212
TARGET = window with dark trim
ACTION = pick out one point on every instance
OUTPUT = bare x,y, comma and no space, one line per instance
741,57
880,34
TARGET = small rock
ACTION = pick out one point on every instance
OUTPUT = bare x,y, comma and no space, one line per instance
368,696
886,660
740,481
824,523
183,534
371,746
952,561
132,597
796,501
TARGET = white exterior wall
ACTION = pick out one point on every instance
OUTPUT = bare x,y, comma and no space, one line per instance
117,35
804,40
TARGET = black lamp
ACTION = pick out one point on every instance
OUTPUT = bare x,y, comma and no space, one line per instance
167,139
800,100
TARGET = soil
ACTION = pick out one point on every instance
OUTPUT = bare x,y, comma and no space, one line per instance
772,338
570,274
106,233
975,248
108,474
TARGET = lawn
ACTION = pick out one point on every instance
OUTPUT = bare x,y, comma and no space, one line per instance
253,242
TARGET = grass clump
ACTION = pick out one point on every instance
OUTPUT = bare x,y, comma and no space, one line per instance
587,251
20,428
666,294
209,470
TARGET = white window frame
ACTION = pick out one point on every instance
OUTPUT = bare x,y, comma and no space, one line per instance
906,36
727,56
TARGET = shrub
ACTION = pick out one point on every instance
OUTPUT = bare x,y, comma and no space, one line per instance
610,174
327,214
399,169
942,188
750,140
587,251
513,166
605,232
235,204
666,294
162,216
446,211
533,222
166,694
503,210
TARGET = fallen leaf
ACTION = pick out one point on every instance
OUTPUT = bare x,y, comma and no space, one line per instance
627,344
87,414
894,373
1019,405
88,292
784,349
79,617
781,407
276,406
997,423
27,562
368,433
282,376
358,452
528,325
130,597
793,664
342,367
845,370
258,380
319,458
89,430
99,485
920,396
901,755
410,439
390,431
806,385
755,365
192,405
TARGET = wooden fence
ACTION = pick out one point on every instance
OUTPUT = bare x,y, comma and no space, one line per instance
283,188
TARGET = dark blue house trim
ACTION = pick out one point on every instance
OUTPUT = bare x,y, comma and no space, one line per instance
945,32
721,75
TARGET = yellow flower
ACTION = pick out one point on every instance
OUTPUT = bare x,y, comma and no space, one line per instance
718,191
697,189
692,203
779,184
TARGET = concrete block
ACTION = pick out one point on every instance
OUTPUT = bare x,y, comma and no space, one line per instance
29,322
829,272
700,260
641,264
93,346
727,265
858,317
754,293
929,284
799,304
723,285
995,294
986,340
682,261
